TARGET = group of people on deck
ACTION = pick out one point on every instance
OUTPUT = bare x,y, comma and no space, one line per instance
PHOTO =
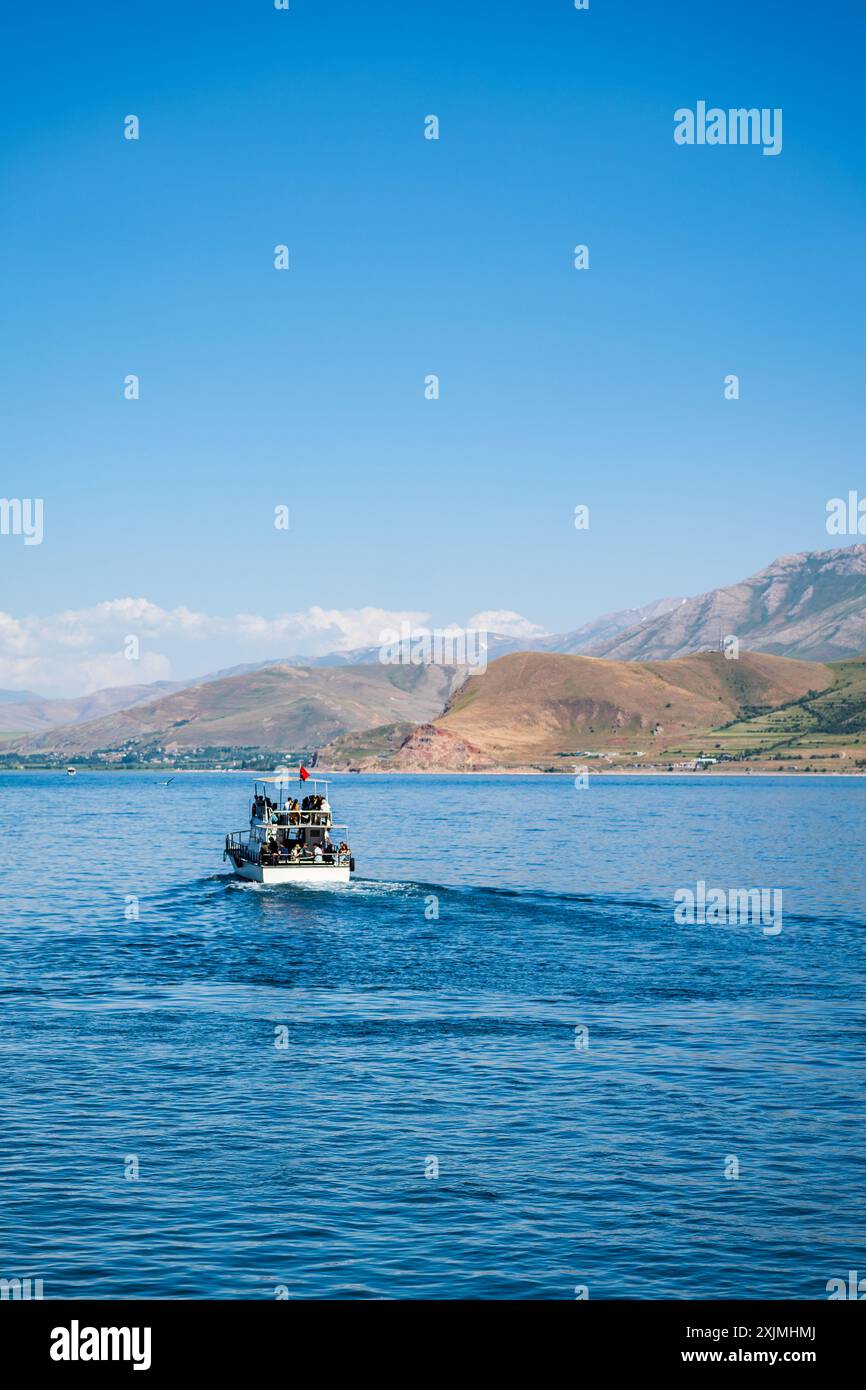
266,810
280,849
309,803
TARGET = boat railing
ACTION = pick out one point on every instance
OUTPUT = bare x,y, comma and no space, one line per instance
236,844
239,844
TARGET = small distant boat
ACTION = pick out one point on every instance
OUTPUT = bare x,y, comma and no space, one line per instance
290,836
70,772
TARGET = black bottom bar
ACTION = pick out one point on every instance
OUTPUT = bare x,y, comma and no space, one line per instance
223,1338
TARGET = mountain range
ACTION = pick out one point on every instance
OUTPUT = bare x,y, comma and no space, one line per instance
278,708
21,711
811,607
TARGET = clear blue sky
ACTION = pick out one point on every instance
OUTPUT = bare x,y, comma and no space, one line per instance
410,257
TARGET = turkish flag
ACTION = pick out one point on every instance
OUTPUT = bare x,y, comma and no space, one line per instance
304,773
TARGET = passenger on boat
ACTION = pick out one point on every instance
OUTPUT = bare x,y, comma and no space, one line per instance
317,854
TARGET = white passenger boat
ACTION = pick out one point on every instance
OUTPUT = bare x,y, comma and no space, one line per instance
292,836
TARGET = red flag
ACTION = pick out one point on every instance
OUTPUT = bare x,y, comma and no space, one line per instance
304,773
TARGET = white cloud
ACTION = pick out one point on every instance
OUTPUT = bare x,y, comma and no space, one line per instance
321,630
108,669
77,651
506,623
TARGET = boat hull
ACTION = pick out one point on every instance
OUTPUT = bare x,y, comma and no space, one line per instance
293,873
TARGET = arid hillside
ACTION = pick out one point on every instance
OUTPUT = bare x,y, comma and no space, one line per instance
535,706
276,708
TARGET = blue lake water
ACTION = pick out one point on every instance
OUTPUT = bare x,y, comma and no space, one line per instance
416,1041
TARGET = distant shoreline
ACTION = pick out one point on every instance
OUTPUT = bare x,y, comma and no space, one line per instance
434,772
592,772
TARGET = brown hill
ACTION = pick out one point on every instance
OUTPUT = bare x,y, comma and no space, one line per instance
531,707
281,707
36,715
